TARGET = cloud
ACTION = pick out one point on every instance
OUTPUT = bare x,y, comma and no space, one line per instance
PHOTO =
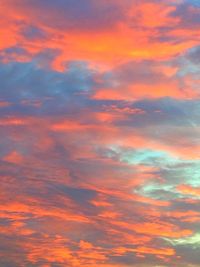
99,130
67,24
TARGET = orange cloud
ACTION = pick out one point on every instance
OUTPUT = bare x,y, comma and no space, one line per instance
159,229
137,34
67,126
189,190
155,251
14,157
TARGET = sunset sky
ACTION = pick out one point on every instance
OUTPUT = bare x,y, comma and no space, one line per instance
100,133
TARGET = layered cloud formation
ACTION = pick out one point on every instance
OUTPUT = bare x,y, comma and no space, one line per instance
100,136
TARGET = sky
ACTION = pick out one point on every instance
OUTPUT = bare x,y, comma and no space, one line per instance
99,133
